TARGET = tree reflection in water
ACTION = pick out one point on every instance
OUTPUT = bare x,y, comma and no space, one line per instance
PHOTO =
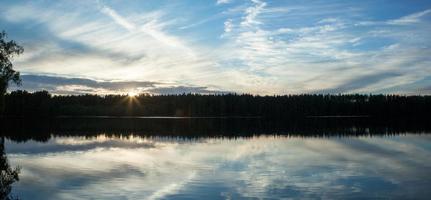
8,175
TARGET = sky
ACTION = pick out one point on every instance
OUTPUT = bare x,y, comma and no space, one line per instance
260,47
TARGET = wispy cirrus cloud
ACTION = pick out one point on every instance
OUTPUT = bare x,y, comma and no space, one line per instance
251,46
117,18
156,54
412,18
326,46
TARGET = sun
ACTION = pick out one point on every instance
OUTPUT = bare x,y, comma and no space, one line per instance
132,93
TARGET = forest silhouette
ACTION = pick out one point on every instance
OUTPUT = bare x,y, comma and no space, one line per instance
42,103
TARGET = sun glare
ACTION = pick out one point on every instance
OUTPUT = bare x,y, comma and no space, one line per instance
132,94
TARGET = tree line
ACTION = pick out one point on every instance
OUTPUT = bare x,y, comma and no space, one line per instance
42,103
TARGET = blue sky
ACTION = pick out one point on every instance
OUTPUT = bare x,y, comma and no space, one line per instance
210,46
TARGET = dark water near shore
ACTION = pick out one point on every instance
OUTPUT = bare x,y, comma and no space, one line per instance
219,159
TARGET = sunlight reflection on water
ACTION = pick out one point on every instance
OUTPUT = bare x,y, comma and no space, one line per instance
133,167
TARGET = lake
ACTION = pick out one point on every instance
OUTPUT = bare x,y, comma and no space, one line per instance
338,160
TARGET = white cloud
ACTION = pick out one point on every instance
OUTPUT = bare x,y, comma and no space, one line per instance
252,12
117,18
409,19
223,2
301,59
228,26
144,50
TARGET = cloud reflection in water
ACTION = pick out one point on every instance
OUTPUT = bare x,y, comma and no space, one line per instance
258,167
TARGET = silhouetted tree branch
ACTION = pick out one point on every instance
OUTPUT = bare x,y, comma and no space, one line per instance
8,49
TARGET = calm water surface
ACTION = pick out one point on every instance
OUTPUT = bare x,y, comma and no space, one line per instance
272,167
